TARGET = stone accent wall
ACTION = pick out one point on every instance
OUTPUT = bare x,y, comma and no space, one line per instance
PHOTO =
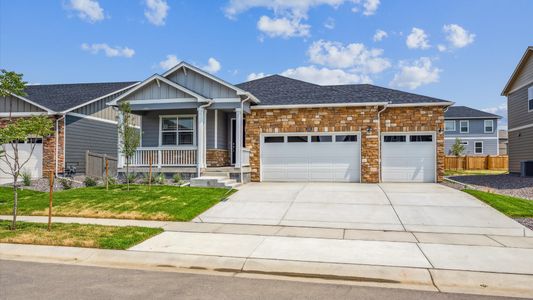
217,158
49,147
362,119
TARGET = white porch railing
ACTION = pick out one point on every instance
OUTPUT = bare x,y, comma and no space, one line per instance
164,156
245,157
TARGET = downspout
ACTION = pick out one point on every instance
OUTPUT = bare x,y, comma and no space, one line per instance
199,159
242,135
379,138
57,143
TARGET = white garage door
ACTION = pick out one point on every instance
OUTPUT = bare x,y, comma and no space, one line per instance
408,157
310,157
34,165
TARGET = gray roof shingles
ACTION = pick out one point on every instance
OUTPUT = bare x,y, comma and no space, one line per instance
280,90
465,112
61,97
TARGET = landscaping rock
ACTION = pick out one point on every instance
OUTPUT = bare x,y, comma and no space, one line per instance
506,184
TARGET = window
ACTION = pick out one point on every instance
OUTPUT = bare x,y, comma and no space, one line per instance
464,126
297,139
321,139
530,98
274,139
478,147
394,138
489,126
449,125
177,131
345,138
421,138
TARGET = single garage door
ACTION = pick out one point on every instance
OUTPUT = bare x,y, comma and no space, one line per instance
311,157
408,157
33,166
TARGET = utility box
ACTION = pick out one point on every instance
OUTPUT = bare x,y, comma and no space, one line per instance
526,168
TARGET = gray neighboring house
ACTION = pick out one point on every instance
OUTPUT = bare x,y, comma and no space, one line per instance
519,93
477,130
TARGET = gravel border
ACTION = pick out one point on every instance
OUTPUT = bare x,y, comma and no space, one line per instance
504,184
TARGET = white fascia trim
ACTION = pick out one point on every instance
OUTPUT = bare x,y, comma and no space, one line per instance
157,101
317,105
520,127
99,98
471,138
23,114
422,104
226,100
163,79
49,111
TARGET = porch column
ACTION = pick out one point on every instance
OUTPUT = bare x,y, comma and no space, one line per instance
200,139
120,157
238,137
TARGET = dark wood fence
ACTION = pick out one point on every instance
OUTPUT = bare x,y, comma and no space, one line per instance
489,162
95,164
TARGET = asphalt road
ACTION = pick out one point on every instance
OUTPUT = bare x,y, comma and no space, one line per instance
27,280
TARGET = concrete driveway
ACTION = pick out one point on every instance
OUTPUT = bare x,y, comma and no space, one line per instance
387,206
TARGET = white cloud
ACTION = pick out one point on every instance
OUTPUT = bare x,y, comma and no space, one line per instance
88,10
330,23
417,39
156,11
254,76
325,76
371,6
415,74
500,109
458,36
212,66
442,48
282,27
355,55
108,50
380,35
295,7
170,61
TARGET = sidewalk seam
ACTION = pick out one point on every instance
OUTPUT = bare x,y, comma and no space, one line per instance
393,208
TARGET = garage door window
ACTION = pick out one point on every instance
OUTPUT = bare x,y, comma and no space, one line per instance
345,138
274,139
321,139
420,138
394,138
297,139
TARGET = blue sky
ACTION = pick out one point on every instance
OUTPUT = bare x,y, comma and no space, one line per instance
458,50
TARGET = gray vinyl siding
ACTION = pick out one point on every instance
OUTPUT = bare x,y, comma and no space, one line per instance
517,106
526,74
155,91
14,104
99,109
202,85
150,125
520,148
86,134
476,129
222,137
490,146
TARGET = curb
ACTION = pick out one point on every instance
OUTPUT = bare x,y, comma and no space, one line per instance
379,276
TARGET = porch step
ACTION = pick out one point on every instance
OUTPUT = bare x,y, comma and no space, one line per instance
214,181
215,174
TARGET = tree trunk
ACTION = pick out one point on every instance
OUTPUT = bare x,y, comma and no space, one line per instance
127,174
15,204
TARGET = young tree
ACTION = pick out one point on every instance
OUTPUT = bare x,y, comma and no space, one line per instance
129,137
457,148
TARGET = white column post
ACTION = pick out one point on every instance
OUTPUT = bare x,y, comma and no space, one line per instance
120,162
238,137
200,139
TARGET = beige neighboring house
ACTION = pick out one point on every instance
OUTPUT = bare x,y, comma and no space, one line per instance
503,140
519,93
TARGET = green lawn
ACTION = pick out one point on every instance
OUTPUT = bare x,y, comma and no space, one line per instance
159,203
76,235
472,172
511,206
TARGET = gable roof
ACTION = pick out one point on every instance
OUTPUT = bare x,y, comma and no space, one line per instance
278,90
521,63
61,97
465,112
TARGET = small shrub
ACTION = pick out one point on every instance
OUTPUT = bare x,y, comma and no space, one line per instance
177,178
65,183
89,181
159,178
131,177
111,180
26,178
147,179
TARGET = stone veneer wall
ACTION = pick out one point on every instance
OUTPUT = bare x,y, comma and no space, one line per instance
345,119
217,158
49,147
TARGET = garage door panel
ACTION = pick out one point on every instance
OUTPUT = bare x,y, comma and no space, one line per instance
33,166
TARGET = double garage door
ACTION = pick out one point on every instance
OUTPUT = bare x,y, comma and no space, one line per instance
336,157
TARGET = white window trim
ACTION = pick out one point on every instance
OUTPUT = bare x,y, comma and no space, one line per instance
482,147
485,126
194,130
529,98
448,121
467,126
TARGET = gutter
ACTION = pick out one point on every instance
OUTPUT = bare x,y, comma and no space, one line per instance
198,162
379,138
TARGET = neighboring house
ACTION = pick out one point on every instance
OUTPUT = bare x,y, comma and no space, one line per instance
519,92
503,139
82,121
281,129
477,130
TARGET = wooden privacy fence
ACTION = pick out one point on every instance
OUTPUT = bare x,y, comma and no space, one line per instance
95,164
489,162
